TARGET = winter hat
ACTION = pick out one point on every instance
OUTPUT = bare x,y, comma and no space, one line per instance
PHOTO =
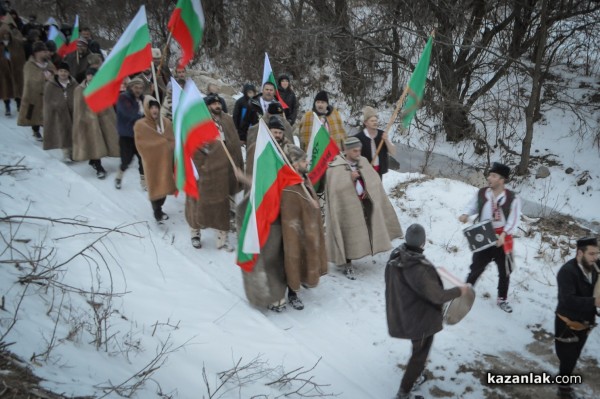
368,113
283,77
94,59
584,242
247,87
500,169
156,53
63,65
135,81
91,71
415,235
276,123
82,41
322,96
294,153
38,46
275,108
352,142
211,99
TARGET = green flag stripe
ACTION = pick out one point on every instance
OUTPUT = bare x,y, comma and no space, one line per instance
190,18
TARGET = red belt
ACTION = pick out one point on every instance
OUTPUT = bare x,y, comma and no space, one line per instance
508,240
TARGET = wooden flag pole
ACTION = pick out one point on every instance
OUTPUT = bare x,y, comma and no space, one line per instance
391,122
233,165
162,125
162,56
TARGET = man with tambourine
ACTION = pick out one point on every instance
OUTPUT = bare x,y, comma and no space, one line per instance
499,211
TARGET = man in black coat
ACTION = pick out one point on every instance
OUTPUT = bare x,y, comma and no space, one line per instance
577,308
241,110
414,296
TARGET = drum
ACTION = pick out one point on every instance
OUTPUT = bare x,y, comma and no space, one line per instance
455,310
480,236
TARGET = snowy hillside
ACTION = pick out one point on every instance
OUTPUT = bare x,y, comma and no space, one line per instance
97,306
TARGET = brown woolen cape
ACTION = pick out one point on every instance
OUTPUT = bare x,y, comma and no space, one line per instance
31,112
58,114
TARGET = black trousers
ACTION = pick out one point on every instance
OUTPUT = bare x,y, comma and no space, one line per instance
482,258
157,207
128,150
568,352
416,363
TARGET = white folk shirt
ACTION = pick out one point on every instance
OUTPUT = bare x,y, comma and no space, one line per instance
375,161
265,105
510,224
360,190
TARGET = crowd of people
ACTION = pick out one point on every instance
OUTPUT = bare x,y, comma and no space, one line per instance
360,221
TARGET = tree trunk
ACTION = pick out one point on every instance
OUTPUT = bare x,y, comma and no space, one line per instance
395,92
536,88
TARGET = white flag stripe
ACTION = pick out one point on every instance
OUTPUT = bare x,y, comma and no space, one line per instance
266,70
138,21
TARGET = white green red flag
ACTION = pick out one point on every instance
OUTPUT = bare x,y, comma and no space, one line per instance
416,86
271,175
194,128
269,76
187,27
131,54
59,39
72,46
320,151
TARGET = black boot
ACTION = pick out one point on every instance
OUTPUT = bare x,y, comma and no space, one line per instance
18,101
36,133
7,107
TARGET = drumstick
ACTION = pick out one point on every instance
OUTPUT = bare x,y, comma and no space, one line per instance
449,276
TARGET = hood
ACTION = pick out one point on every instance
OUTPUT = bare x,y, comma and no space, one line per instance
247,87
147,100
405,256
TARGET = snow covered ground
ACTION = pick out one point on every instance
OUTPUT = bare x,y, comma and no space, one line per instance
191,302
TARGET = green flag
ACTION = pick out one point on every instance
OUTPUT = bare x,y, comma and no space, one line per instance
416,86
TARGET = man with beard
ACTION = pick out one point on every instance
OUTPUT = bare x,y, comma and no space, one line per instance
305,257
273,110
78,60
359,217
129,109
330,118
577,308
503,208
216,179
155,142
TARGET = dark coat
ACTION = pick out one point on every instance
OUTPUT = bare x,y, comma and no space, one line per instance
366,150
414,295
240,116
289,97
575,293
128,112
77,65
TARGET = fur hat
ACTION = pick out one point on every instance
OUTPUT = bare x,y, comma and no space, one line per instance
247,87
91,71
82,41
500,169
38,46
156,53
51,46
415,235
135,81
63,65
211,99
352,142
368,113
294,153
275,108
584,242
275,123
322,96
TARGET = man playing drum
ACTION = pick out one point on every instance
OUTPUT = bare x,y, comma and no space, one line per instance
503,208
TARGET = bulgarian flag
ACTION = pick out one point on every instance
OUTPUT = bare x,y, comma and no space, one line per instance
321,150
194,128
271,175
416,86
269,76
59,39
131,54
72,46
187,27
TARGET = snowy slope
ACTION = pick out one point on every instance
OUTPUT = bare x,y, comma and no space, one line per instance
197,298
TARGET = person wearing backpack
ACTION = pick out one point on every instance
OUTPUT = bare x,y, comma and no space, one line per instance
503,208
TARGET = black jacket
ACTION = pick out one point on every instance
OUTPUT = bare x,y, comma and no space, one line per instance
575,293
366,150
414,295
289,97
128,112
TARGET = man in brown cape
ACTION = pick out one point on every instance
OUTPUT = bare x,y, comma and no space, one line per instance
58,112
94,134
359,217
11,65
216,179
155,142
305,257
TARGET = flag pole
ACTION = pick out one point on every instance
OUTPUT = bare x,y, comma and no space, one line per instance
162,125
162,56
233,165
